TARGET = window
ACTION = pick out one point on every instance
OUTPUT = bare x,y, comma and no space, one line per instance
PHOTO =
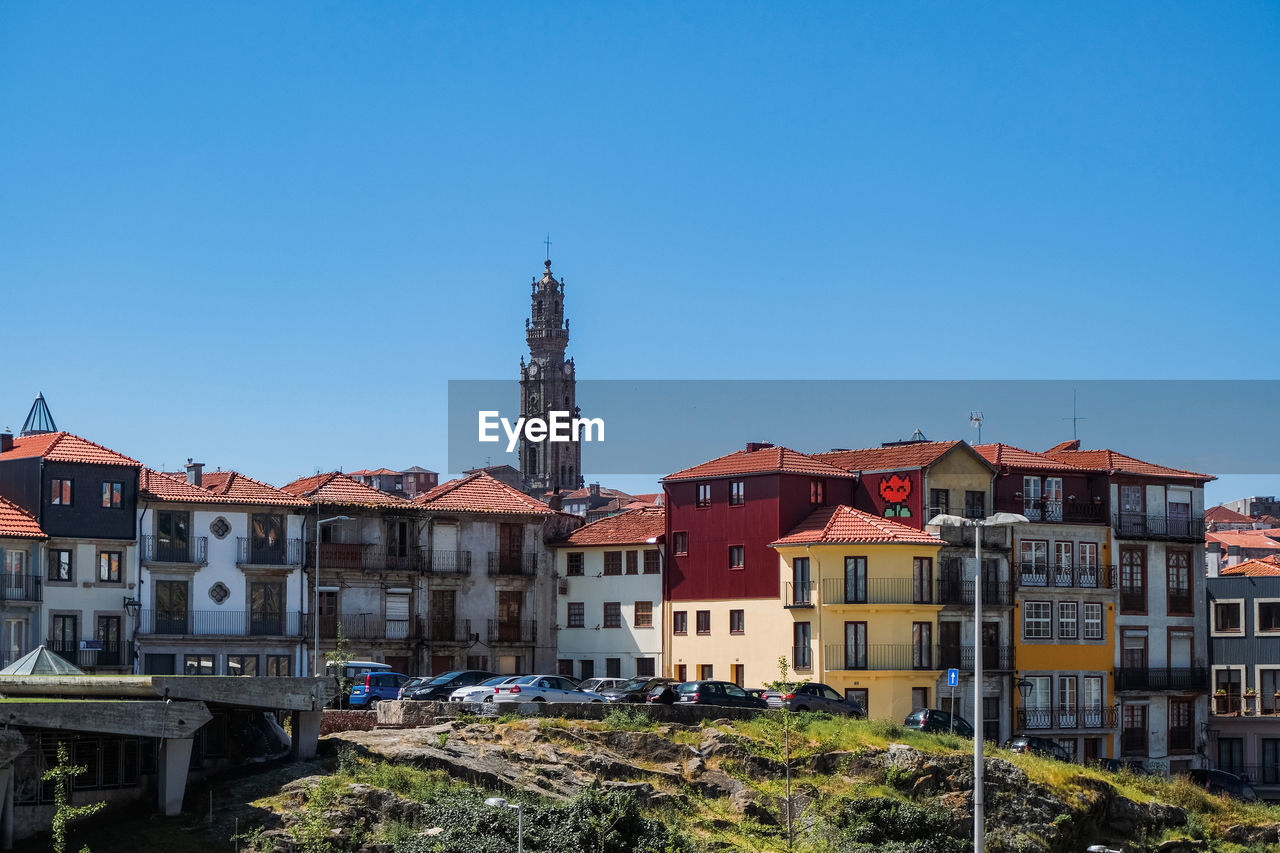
1181,725
680,622
1068,620
817,492
922,579
60,492
643,614
60,564
652,562
1053,499
66,633
576,614
564,666
922,645
633,562
704,495
1133,730
802,655
1036,621
1031,503
859,695
111,493
736,492
735,556
975,504
939,502
855,646
613,667
800,583
197,665
1133,580
1227,617
613,562
109,566
1268,617
613,614
242,664
1133,649
1131,499
919,697
574,562
737,622
644,667
1093,620
705,671
855,580
680,542
704,621
1179,587
1229,681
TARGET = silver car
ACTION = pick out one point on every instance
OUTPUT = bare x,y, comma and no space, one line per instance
600,685
482,692
544,688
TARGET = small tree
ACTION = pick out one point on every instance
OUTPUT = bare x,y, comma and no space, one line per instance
64,813
786,686
338,660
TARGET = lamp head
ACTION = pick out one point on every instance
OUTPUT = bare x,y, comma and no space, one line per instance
496,802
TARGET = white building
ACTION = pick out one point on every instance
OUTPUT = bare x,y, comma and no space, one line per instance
609,606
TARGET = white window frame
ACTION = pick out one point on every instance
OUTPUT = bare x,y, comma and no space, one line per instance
1064,620
1257,621
1047,620
1100,621
1213,618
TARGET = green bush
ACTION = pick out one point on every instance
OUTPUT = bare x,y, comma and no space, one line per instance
885,825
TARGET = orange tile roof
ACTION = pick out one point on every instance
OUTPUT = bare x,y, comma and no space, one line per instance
220,487
1253,568
915,455
633,527
1006,456
605,492
841,524
1244,538
767,460
17,523
1118,463
1223,515
338,489
65,447
480,492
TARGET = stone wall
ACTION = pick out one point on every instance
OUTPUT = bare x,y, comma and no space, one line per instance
408,713
348,721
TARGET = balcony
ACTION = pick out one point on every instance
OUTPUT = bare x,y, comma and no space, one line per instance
883,657
798,595
994,658
1179,603
1195,678
365,626
357,557
1064,575
1136,525
994,593
448,631
512,632
877,591
1028,719
257,552
447,562
94,654
157,549
21,588
513,565
223,623
993,538
1133,599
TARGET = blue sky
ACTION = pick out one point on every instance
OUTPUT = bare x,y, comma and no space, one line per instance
267,235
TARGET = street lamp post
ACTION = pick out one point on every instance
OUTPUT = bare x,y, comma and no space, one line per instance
315,613
1024,690
1000,518
500,803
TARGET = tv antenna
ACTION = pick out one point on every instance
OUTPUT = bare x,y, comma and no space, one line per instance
975,420
1075,418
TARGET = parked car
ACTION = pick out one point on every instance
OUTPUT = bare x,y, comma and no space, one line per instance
356,668
544,688
1225,784
663,694
439,688
772,698
758,692
410,684
482,692
716,693
634,690
816,696
934,720
1039,746
373,687
600,685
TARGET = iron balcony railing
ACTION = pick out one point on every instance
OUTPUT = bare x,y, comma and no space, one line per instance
1137,525
994,593
978,513
1181,738
1065,575
94,654
801,658
878,591
1133,599
879,656
1178,602
357,557
1254,774
520,632
1067,718
519,565
798,595
226,623
993,538
961,657
1162,678
449,631
255,552
365,626
21,588
160,549
448,562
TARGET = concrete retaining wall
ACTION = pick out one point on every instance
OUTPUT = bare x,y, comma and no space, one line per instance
408,713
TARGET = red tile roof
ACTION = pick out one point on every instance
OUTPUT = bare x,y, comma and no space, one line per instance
1244,538
768,460
1254,568
605,492
915,455
65,447
633,527
480,492
841,524
234,487
1223,515
1118,463
17,523
1006,456
338,489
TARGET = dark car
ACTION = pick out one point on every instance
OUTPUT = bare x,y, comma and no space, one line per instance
439,688
634,690
372,687
716,693
663,694
819,697
1040,746
934,720
1224,784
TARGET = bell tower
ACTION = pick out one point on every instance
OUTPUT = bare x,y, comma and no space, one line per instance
547,385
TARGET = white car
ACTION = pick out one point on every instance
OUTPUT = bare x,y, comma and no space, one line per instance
600,685
544,688
482,692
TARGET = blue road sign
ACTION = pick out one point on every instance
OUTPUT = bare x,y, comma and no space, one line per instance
953,677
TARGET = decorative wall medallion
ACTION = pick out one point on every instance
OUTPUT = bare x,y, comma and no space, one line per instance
219,592
220,527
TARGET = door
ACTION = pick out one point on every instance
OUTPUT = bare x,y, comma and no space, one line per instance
1133,651
510,606
922,580
441,664
1053,499
1133,580
510,548
1031,498
855,580
1063,565
919,697
109,635
398,663
1034,563
991,651
442,621
855,645
397,615
1180,649
15,575
800,580
328,612
949,645
171,607
15,640
172,537
267,542
922,645
1068,700
1091,702
266,608
1038,708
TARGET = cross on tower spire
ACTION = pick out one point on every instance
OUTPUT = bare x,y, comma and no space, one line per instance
547,242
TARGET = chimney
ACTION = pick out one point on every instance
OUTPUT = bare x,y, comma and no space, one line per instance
1213,559
6,442
1233,555
753,446
594,490
195,472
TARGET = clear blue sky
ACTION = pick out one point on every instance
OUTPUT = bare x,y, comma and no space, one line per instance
266,235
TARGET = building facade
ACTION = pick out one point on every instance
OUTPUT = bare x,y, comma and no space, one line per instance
21,552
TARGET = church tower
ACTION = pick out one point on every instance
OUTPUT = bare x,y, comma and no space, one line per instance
547,385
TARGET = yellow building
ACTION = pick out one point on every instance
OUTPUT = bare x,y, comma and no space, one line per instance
867,589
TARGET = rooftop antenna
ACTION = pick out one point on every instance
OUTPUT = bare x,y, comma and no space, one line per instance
1075,418
975,419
